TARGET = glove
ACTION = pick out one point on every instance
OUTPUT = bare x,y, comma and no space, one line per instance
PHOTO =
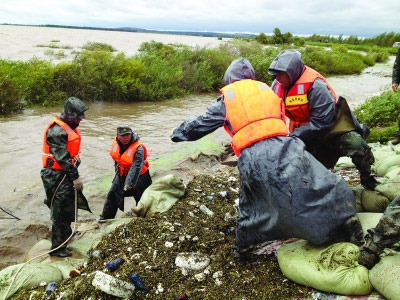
78,184
127,187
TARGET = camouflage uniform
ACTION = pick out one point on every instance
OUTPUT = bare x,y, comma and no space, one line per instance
138,183
58,184
332,130
384,235
396,80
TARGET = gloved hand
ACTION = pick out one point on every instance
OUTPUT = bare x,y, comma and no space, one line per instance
127,187
78,184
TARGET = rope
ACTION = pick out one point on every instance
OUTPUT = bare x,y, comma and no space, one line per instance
73,232
13,217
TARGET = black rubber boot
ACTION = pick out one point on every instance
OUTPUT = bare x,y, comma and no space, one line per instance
367,258
395,141
369,182
62,252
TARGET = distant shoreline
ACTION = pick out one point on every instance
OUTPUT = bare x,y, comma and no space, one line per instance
135,29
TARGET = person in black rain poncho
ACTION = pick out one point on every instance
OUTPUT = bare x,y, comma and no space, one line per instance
284,191
323,121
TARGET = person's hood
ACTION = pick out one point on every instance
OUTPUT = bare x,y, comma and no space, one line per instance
74,107
135,137
239,69
288,61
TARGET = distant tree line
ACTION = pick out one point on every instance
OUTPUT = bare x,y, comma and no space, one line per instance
278,38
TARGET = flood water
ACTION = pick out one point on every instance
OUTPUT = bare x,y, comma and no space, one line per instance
21,135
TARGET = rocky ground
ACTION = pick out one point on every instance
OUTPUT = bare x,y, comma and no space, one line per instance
150,247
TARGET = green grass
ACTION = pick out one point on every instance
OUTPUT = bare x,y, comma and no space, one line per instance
158,72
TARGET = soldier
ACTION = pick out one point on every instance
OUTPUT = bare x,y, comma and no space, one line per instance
318,117
60,176
132,176
384,235
395,86
284,191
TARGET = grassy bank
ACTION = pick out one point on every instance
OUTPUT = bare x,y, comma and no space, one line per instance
381,114
158,72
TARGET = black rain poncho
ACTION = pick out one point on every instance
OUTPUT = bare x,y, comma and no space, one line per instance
284,191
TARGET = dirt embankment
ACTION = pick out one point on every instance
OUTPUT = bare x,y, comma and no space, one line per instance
151,245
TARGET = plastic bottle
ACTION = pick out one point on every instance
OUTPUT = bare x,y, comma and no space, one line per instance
206,210
50,288
95,253
139,284
114,265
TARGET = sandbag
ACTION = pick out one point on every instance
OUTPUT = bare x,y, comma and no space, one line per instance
66,265
331,268
390,189
160,196
382,151
368,220
385,164
344,162
84,244
41,247
357,192
30,275
373,201
385,276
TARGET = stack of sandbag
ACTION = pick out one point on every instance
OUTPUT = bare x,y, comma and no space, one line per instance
387,165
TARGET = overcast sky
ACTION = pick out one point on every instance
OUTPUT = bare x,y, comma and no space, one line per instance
326,17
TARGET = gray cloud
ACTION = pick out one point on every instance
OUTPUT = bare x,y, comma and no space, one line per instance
332,17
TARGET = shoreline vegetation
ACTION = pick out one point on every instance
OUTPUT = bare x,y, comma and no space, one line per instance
168,71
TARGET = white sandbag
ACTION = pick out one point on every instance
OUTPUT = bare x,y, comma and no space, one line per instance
385,276
344,162
386,164
368,220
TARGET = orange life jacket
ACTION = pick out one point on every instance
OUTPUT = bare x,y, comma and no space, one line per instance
124,161
296,101
73,145
254,111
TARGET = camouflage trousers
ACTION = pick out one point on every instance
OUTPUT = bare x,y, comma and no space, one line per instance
387,231
347,144
398,127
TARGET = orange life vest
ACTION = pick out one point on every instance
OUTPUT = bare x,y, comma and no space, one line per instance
254,111
125,160
73,145
296,101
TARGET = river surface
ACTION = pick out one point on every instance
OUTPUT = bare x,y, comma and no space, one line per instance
21,192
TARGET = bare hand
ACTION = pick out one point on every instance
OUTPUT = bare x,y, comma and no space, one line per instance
395,86
78,184
127,187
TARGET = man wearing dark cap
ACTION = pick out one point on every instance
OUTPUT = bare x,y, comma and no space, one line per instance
132,176
321,119
60,158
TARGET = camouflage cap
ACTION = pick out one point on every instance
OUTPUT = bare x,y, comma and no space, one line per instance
122,130
74,107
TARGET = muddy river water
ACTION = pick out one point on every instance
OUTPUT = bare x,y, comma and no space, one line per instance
21,191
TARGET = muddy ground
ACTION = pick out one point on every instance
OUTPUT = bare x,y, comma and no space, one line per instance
150,246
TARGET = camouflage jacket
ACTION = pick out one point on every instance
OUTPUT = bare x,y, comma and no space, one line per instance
396,69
